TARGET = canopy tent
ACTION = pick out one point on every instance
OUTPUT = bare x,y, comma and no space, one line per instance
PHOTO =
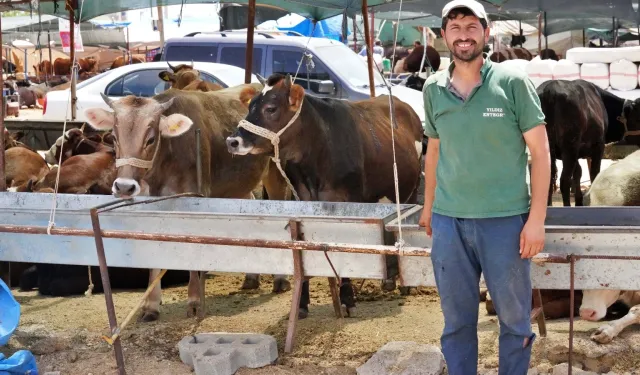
330,28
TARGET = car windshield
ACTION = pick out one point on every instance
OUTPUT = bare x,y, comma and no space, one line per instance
351,66
92,79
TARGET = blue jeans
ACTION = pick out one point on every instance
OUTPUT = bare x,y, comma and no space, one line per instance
463,249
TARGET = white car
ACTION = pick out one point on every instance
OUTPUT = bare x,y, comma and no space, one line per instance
136,79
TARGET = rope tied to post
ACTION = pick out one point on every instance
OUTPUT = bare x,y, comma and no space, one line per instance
275,141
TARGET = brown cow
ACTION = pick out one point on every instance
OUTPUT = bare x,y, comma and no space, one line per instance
75,143
414,59
511,54
42,69
62,66
343,154
23,165
122,61
185,77
160,133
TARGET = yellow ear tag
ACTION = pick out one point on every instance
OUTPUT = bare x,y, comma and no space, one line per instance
174,127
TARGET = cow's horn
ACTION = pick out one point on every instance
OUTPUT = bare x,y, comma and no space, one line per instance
172,67
261,79
107,100
82,128
191,63
287,80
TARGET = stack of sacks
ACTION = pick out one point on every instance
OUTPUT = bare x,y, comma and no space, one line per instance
516,64
540,70
566,70
582,55
623,75
596,73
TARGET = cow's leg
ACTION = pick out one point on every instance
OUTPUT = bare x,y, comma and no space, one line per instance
577,176
347,297
151,307
569,161
303,307
193,291
552,182
596,163
607,332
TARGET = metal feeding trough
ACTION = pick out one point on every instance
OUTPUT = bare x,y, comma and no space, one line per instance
602,240
347,223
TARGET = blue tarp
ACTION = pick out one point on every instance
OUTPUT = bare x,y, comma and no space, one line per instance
330,28
21,362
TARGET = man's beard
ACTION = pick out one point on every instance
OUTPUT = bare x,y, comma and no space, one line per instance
468,55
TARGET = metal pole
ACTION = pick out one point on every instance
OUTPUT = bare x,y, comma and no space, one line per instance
72,56
355,34
584,38
572,265
369,42
298,279
539,34
249,54
546,42
104,274
161,26
5,267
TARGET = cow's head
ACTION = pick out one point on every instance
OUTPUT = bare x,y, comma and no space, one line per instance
182,75
271,109
138,125
596,302
631,118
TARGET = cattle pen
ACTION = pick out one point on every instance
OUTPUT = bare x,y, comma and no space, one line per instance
586,247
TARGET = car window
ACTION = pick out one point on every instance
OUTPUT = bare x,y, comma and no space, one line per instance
145,83
191,52
210,78
311,72
236,56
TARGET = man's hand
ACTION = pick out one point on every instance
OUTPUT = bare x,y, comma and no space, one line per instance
425,221
531,239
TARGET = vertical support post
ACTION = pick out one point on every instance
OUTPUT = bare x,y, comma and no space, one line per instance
49,73
539,34
369,41
546,42
161,26
298,279
202,275
355,35
72,56
572,267
104,274
538,312
250,30
3,185
335,297
584,38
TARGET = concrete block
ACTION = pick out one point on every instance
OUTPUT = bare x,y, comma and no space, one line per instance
404,358
224,353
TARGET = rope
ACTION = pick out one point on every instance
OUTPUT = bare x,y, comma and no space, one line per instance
89,290
275,141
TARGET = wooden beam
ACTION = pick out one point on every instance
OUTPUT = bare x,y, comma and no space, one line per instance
250,29
368,40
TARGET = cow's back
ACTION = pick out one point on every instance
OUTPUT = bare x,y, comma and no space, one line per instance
373,121
217,115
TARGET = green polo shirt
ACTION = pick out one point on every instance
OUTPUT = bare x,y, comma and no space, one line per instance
482,162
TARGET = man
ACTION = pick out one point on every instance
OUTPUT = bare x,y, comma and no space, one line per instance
479,118
377,49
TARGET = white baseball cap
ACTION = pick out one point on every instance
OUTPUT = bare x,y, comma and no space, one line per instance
473,5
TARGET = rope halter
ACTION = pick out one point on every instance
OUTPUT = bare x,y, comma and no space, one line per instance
139,163
275,141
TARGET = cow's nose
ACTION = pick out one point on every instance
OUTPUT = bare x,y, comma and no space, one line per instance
233,142
588,314
125,187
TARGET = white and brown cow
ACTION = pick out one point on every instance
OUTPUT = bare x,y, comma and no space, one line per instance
160,132
618,185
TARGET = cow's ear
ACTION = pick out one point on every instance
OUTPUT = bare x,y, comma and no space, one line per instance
296,94
247,94
174,125
100,119
166,76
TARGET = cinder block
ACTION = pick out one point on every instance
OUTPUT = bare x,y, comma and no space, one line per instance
224,353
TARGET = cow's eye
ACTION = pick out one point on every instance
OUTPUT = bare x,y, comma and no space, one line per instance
270,109
150,140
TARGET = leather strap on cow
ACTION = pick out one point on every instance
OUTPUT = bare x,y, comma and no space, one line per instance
139,163
275,141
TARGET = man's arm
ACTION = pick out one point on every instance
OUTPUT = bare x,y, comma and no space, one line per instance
532,238
430,165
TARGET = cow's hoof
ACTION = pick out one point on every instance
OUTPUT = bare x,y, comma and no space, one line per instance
603,335
193,309
388,285
348,312
250,283
405,290
149,316
281,285
303,313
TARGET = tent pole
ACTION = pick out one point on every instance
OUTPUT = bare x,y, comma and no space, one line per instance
546,42
72,54
369,41
5,267
539,34
584,38
520,27
355,34
249,54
